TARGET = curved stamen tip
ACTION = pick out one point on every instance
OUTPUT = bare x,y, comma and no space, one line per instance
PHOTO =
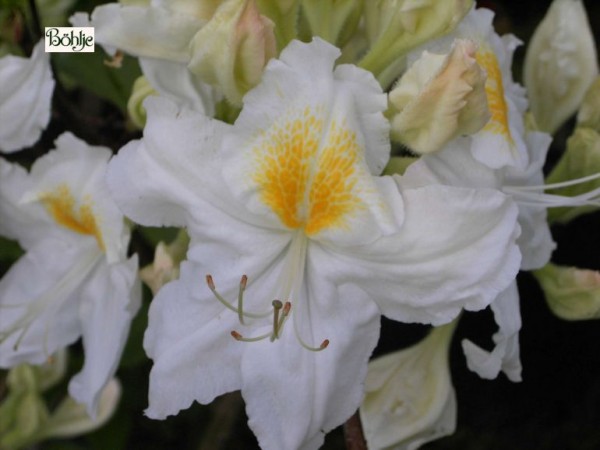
210,282
243,282
237,336
324,344
286,308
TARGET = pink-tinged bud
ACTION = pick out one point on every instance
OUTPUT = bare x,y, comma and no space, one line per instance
231,51
439,98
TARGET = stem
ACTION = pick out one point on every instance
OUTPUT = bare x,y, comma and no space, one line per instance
225,411
353,433
37,31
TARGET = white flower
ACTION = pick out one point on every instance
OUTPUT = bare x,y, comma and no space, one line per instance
27,86
286,197
74,279
456,166
409,395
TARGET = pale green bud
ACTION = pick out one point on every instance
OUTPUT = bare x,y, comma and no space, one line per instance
398,165
135,105
409,395
333,20
232,49
167,259
395,27
571,293
560,64
589,112
71,418
284,14
439,98
581,158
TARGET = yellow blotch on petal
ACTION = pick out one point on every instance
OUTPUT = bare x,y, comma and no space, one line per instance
63,208
309,184
494,90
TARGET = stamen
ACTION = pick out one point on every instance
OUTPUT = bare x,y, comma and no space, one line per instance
239,310
561,184
277,306
238,337
243,282
323,345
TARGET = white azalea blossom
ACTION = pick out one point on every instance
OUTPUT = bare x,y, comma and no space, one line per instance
75,240
456,166
302,246
25,97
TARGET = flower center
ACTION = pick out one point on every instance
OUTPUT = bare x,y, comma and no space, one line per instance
293,277
307,175
62,206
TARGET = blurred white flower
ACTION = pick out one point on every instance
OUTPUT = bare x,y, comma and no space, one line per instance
409,396
76,241
25,97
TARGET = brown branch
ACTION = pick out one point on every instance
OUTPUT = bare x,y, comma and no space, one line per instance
353,433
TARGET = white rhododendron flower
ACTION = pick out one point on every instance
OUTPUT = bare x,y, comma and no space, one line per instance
456,166
25,97
501,142
75,240
302,246
409,396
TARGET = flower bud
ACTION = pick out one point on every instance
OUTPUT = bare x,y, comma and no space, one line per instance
439,98
581,158
560,64
141,89
167,259
232,49
589,112
571,293
409,395
333,20
394,27
284,13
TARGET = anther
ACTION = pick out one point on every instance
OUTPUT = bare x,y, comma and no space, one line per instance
277,306
210,282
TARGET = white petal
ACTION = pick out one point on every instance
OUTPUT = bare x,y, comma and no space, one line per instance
109,301
81,169
179,149
27,86
308,163
195,357
295,396
24,223
177,83
43,314
152,32
505,356
456,249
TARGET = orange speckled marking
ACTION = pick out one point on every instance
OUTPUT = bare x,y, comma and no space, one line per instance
61,204
494,89
309,184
